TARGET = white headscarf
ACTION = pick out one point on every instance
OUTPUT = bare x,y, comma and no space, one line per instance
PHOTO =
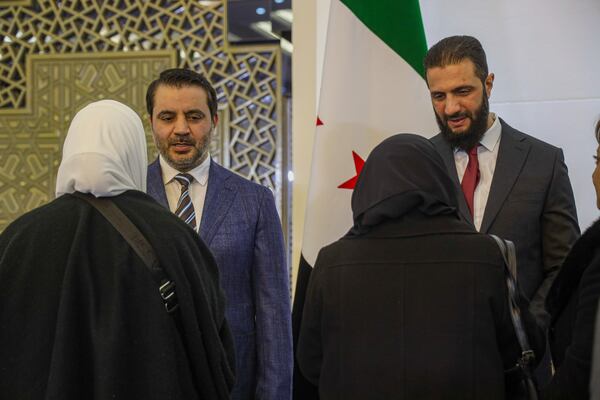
104,152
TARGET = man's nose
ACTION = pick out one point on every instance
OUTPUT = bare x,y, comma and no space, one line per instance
181,126
452,105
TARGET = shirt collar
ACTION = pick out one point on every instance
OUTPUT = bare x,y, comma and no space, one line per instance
492,136
200,173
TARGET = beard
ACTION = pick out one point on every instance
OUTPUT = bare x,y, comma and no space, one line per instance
187,162
472,136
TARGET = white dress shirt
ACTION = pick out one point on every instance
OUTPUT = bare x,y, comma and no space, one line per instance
197,187
487,154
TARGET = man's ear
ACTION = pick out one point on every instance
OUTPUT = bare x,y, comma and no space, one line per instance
489,84
215,120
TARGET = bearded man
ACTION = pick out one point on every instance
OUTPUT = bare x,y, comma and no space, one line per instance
238,221
513,185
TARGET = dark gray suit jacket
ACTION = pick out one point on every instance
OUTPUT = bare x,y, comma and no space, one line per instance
530,203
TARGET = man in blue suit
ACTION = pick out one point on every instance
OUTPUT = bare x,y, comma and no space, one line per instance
238,221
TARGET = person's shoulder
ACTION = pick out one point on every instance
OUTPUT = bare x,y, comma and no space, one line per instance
437,139
152,218
458,247
46,219
239,182
339,252
487,246
155,164
474,247
533,141
138,204
55,209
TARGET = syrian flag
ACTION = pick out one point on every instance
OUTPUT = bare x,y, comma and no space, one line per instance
372,87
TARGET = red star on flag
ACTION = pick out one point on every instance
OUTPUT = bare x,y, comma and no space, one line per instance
359,163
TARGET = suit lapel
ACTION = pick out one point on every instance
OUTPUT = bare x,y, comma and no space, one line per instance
155,185
447,154
512,154
220,194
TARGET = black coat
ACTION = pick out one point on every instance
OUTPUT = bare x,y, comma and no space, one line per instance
82,318
414,309
573,302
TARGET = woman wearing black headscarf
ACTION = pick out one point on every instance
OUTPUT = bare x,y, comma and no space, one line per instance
412,302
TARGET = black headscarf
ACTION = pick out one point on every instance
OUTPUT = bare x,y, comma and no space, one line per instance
403,174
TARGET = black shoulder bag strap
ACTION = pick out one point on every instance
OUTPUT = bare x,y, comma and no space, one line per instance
524,363
138,242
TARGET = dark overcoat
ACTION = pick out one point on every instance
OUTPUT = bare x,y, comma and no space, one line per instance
414,309
82,317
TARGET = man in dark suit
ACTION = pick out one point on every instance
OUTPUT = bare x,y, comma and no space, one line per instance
512,185
238,221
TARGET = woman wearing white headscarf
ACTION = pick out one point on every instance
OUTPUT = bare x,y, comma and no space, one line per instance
81,316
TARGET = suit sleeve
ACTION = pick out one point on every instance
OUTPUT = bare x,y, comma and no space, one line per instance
559,229
272,300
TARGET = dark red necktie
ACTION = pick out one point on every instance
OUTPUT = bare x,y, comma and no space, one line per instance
471,178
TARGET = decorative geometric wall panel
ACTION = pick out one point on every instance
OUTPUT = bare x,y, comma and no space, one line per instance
56,56
31,139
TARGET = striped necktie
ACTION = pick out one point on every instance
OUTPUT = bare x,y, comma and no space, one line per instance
185,208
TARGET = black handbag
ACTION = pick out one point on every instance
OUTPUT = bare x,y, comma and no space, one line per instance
521,374
138,242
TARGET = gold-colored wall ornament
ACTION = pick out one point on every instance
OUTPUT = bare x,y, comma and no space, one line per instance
57,56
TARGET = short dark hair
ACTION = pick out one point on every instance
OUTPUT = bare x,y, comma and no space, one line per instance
597,131
453,50
178,78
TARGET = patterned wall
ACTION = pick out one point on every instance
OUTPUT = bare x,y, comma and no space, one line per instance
57,56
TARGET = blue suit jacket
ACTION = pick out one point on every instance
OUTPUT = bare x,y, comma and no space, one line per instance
241,227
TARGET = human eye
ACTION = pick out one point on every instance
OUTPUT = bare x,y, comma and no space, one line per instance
463,91
166,117
437,96
195,116
595,159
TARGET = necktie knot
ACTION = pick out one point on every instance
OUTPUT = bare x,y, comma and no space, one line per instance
184,179
473,151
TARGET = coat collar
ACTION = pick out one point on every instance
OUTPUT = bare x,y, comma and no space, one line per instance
513,151
156,187
220,194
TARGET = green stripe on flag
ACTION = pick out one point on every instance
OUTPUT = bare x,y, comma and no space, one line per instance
398,23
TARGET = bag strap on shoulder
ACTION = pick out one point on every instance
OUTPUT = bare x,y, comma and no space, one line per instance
138,243
507,249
